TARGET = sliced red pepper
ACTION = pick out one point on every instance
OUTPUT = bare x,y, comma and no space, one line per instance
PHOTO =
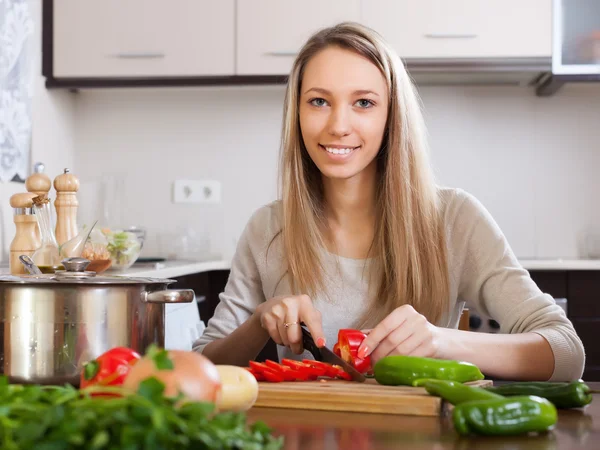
349,341
289,373
256,374
109,369
309,372
328,370
266,371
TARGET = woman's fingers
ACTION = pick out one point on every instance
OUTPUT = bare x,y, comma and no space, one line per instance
291,324
393,340
312,318
376,336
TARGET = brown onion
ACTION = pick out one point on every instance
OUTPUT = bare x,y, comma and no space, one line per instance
193,375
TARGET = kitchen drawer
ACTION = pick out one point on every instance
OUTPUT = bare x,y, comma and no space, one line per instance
588,332
463,28
271,32
143,38
584,293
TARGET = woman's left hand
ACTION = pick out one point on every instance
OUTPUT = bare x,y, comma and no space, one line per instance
403,332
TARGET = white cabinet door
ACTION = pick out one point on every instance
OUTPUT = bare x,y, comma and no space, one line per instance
143,38
463,28
271,32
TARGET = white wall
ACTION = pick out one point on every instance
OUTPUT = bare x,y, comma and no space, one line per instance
532,161
52,133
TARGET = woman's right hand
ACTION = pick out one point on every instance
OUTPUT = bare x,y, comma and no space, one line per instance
281,318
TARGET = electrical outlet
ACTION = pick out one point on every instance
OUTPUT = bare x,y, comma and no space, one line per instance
197,191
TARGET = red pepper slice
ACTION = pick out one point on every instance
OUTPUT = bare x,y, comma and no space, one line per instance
328,370
288,373
309,372
256,374
109,369
349,341
266,371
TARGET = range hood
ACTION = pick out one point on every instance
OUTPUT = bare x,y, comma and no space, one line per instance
575,57
488,71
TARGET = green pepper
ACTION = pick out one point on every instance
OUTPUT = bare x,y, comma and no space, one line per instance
563,395
454,392
403,370
505,416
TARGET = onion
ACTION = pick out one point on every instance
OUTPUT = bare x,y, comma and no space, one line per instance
192,375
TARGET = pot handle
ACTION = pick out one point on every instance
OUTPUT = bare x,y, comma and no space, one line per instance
169,296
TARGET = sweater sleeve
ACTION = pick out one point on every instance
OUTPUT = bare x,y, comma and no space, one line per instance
495,283
243,291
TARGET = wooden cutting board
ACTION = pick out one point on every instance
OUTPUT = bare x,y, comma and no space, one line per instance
339,395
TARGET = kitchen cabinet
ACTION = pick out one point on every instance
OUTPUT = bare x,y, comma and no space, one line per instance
581,288
140,38
271,32
463,28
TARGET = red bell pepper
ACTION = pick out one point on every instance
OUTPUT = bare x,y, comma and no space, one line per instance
348,342
307,371
266,372
256,374
109,369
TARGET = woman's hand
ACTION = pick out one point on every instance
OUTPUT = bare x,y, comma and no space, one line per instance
403,332
281,318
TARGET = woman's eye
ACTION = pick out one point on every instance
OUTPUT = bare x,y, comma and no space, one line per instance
318,102
365,103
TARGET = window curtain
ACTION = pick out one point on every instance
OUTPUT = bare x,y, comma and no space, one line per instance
16,88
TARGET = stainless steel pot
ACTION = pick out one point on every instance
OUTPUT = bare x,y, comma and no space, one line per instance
51,324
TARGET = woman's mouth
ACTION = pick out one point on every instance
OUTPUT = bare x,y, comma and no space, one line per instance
338,151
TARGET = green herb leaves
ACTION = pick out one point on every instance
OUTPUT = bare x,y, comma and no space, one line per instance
58,418
160,358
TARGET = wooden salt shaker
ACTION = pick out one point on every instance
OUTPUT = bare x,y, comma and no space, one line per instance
38,183
66,204
26,240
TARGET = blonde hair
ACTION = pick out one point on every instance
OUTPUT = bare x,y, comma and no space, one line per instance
409,243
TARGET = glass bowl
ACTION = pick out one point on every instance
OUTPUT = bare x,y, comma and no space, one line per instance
124,248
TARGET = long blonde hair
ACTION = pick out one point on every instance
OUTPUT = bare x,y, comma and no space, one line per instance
409,243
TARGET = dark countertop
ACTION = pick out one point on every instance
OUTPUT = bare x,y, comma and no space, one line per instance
327,430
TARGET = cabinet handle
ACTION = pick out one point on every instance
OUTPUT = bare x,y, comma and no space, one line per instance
140,55
450,36
281,53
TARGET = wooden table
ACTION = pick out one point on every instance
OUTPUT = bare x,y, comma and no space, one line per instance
324,430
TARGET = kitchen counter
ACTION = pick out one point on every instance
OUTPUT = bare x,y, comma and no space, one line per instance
179,268
327,430
171,269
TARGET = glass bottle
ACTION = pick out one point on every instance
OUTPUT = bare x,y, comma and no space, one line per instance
47,257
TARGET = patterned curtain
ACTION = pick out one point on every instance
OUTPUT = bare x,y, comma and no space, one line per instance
16,88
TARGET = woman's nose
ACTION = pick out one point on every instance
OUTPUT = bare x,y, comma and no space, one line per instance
339,122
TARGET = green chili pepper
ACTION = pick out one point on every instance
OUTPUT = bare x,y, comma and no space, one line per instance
505,416
563,395
403,370
454,392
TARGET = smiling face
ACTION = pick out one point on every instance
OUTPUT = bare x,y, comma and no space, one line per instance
343,112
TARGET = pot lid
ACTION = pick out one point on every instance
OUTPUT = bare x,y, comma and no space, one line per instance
75,273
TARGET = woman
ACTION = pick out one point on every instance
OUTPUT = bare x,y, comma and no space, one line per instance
362,237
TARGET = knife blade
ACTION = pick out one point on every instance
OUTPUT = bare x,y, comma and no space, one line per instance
323,354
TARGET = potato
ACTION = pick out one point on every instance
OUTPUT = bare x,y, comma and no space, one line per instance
239,389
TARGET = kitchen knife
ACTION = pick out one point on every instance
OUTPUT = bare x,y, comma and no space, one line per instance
323,354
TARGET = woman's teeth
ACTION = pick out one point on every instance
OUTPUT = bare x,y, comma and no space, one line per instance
339,151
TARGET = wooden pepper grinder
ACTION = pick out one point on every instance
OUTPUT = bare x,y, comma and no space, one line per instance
38,183
66,204
26,240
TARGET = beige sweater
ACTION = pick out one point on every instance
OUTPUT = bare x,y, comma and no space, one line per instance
483,272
